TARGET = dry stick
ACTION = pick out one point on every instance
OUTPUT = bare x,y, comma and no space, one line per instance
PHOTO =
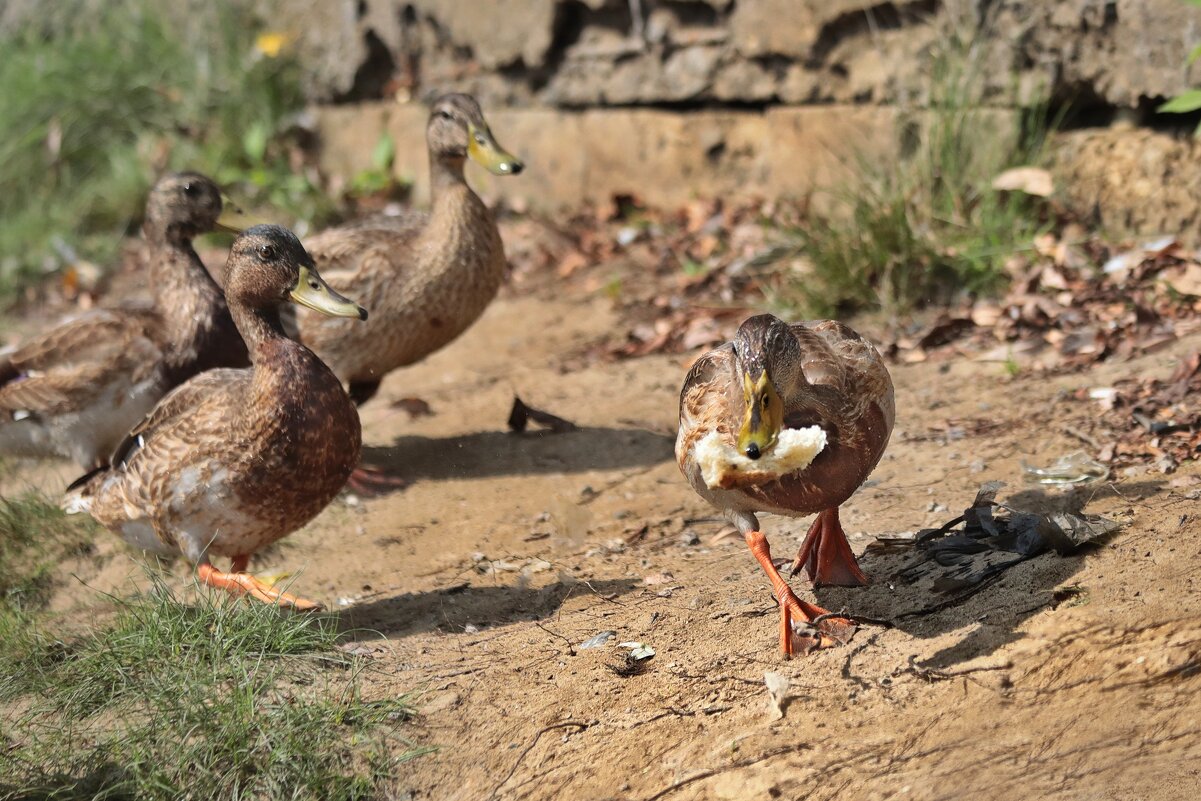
570,649
706,774
566,724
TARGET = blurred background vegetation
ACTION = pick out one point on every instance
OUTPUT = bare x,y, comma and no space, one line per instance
99,98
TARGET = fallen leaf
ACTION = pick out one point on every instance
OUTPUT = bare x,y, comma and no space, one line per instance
1031,180
777,692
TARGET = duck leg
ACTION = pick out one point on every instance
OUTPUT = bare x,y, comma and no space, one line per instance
239,582
831,630
827,555
370,481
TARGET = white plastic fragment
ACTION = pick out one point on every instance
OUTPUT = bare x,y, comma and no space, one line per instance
638,650
597,640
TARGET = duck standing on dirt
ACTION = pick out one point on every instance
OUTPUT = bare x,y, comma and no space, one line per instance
233,460
77,389
790,419
425,276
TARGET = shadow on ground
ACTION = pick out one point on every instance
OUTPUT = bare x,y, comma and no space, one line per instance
453,608
501,453
990,612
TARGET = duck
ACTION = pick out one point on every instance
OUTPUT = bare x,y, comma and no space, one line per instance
76,389
425,276
235,459
788,418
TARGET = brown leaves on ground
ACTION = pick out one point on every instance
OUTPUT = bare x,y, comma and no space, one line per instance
680,280
1150,421
1072,303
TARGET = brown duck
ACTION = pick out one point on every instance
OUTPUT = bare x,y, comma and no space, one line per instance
77,389
233,460
823,389
425,276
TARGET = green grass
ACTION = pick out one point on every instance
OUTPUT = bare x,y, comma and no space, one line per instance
35,535
101,97
224,699
928,227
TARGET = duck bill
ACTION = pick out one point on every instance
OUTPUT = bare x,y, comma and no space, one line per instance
312,291
764,416
233,219
484,150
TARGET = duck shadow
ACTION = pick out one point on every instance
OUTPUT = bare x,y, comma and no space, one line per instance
499,453
453,608
923,603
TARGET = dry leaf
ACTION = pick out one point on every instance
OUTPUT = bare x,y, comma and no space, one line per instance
1031,180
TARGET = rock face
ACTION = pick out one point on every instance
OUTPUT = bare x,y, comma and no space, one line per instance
583,53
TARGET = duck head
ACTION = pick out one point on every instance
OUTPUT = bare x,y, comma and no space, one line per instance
457,130
268,266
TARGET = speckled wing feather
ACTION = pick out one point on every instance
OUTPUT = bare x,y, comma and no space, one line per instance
68,367
835,355
220,386
707,401
181,437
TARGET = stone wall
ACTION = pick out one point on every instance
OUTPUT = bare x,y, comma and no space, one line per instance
590,53
671,99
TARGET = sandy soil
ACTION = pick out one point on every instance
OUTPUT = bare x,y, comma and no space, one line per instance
476,585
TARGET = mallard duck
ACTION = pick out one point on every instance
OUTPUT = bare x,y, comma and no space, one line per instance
425,276
77,389
235,459
790,419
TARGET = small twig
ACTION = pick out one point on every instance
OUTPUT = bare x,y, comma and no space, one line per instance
570,649
706,774
934,674
579,725
671,712
1080,435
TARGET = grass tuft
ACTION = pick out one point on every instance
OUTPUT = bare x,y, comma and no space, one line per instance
224,700
35,535
930,226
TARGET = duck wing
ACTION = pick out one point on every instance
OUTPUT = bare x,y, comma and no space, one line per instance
72,366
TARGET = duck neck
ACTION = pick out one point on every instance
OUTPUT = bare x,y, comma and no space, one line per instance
185,294
446,178
261,330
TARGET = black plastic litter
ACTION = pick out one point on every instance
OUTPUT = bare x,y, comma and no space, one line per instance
988,538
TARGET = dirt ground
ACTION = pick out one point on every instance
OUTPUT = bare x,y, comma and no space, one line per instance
1068,678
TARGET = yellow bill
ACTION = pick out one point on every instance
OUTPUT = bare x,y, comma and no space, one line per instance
764,416
233,219
484,150
312,291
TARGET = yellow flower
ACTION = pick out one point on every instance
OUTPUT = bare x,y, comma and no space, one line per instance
270,43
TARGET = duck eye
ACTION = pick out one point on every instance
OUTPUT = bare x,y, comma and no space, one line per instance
314,285
479,139
267,252
444,114
766,402
191,190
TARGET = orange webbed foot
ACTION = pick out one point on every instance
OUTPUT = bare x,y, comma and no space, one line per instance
804,627
239,582
826,555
